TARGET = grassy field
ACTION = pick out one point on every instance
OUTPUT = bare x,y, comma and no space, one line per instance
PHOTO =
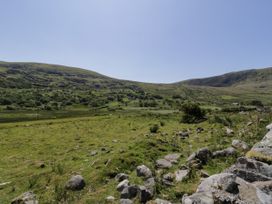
122,141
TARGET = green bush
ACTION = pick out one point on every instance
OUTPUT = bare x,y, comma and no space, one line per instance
192,113
154,128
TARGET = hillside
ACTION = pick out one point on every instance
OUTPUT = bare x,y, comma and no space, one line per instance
234,78
36,86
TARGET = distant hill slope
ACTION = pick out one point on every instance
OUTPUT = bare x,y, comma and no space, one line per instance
47,87
233,78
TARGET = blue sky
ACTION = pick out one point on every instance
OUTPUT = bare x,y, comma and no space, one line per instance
143,40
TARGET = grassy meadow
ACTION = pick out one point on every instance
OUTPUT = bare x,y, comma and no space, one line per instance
41,155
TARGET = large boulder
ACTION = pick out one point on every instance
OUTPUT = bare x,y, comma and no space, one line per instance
76,183
25,198
265,186
240,145
251,170
228,188
143,171
262,151
225,152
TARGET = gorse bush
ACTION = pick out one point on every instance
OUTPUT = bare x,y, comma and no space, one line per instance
192,113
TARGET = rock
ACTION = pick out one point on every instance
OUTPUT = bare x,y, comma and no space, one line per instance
181,174
262,151
150,183
3,185
204,174
225,152
143,171
265,186
251,170
110,199
25,198
168,179
163,164
199,198
173,158
115,141
126,201
238,144
199,130
228,188
191,157
93,153
269,127
129,192
183,134
76,183
229,131
123,184
145,194
121,176
203,155
160,201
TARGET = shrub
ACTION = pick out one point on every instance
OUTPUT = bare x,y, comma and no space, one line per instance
154,128
192,113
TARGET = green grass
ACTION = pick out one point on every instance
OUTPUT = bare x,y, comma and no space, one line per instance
64,146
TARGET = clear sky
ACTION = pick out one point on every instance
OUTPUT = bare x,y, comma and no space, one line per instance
143,40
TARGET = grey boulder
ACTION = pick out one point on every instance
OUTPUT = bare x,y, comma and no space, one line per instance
76,183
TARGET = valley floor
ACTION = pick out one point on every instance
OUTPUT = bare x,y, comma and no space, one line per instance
40,156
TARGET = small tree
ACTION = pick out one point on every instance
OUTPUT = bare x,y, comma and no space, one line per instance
192,113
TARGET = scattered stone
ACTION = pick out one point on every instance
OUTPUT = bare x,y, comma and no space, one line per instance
183,134
238,144
203,155
181,174
168,179
229,131
129,192
163,164
121,176
93,153
160,201
199,129
143,171
173,158
198,198
110,199
145,194
76,183
122,185
126,201
25,198
225,152
41,165
115,141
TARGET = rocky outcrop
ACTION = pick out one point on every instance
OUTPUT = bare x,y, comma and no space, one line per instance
248,181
